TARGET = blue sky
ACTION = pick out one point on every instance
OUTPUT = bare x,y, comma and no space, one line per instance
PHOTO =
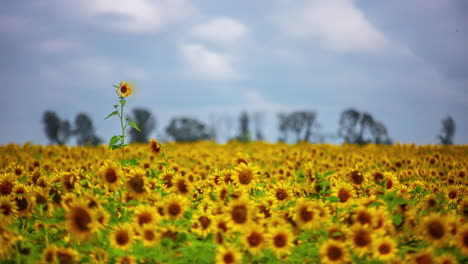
405,62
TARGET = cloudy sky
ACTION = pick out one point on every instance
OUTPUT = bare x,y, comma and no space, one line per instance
405,62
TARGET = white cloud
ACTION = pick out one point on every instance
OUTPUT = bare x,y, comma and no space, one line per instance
257,102
207,64
92,69
58,45
136,16
338,25
221,30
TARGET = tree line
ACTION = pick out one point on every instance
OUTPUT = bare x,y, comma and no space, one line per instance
355,127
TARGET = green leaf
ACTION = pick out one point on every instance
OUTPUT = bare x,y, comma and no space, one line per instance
397,219
135,126
112,141
112,114
133,202
122,102
115,86
333,199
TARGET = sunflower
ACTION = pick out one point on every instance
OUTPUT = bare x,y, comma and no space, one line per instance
145,215
463,208
281,192
202,223
355,177
364,215
360,239
239,213
280,239
424,256
385,249
337,232
137,184
166,177
344,191
149,236
175,206
81,220
125,260
246,176
50,254
435,229
154,146
305,215
221,226
453,193
182,186
228,255
6,185
124,89
8,210
446,259
122,236
66,255
111,176
23,199
254,238
461,239
99,256
332,252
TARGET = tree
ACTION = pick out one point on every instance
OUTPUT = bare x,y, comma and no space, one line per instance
447,131
300,123
362,128
146,122
57,131
258,122
244,131
184,129
84,130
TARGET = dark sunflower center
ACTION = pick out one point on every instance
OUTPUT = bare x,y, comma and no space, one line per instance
182,186
122,238
81,219
149,235
305,214
344,195
5,209
204,221
334,253
362,239
174,209
255,239
123,89
280,240
436,230
239,214
228,258
452,195
281,194
384,249
137,184
110,175
364,218
6,188
144,218
245,177
21,203
356,177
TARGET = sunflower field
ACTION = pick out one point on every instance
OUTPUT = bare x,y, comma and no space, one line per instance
251,202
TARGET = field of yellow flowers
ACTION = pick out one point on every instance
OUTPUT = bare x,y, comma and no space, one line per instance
234,203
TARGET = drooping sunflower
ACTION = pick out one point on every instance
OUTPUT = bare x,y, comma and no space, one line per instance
254,238
154,146
332,252
122,237
228,255
280,239
246,176
385,249
125,89
81,220
8,210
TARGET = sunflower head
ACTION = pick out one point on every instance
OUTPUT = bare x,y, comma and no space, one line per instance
124,89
